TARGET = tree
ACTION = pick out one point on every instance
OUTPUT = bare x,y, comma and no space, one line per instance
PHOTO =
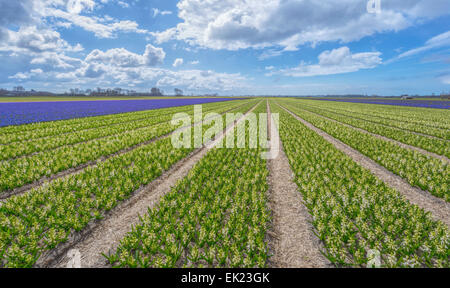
118,91
178,92
156,92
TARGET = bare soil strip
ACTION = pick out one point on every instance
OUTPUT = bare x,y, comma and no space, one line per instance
292,240
439,209
403,145
104,236
24,189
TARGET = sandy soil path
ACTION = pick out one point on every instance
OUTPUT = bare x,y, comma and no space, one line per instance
292,240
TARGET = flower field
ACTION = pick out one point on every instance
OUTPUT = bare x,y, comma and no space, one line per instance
66,184
408,103
15,113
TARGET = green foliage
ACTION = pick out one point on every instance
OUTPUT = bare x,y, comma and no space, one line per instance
39,220
419,170
24,170
353,212
216,216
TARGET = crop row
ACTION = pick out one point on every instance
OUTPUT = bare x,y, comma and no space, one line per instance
21,171
216,216
438,146
435,118
419,170
377,119
45,129
41,219
356,215
14,150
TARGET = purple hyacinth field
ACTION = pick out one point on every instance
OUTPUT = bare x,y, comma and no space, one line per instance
18,113
407,103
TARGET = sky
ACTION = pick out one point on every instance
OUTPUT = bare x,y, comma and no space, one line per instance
229,47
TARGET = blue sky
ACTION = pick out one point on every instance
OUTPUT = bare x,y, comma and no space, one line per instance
230,47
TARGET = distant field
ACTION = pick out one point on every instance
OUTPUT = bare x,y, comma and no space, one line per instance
18,113
86,98
419,103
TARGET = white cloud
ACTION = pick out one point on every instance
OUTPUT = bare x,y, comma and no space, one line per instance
202,80
236,24
32,39
53,60
435,42
123,58
270,53
36,71
101,27
164,36
336,61
445,79
16,12
123,4
125,68
76,6
66,25
178,62
27,75
195,62
157,12
270,67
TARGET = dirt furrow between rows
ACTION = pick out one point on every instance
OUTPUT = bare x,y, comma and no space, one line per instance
73,171
401,144
439,209
103,237
385,125
294,244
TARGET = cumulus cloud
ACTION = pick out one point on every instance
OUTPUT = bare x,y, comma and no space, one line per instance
123,4
33,39
178,62
92,74
54,60
101,27
123,58
16,12
123,67
27,75
93,71
64,13
236,24
76,6
336,61
202,80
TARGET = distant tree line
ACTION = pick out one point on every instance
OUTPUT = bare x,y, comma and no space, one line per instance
97,92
